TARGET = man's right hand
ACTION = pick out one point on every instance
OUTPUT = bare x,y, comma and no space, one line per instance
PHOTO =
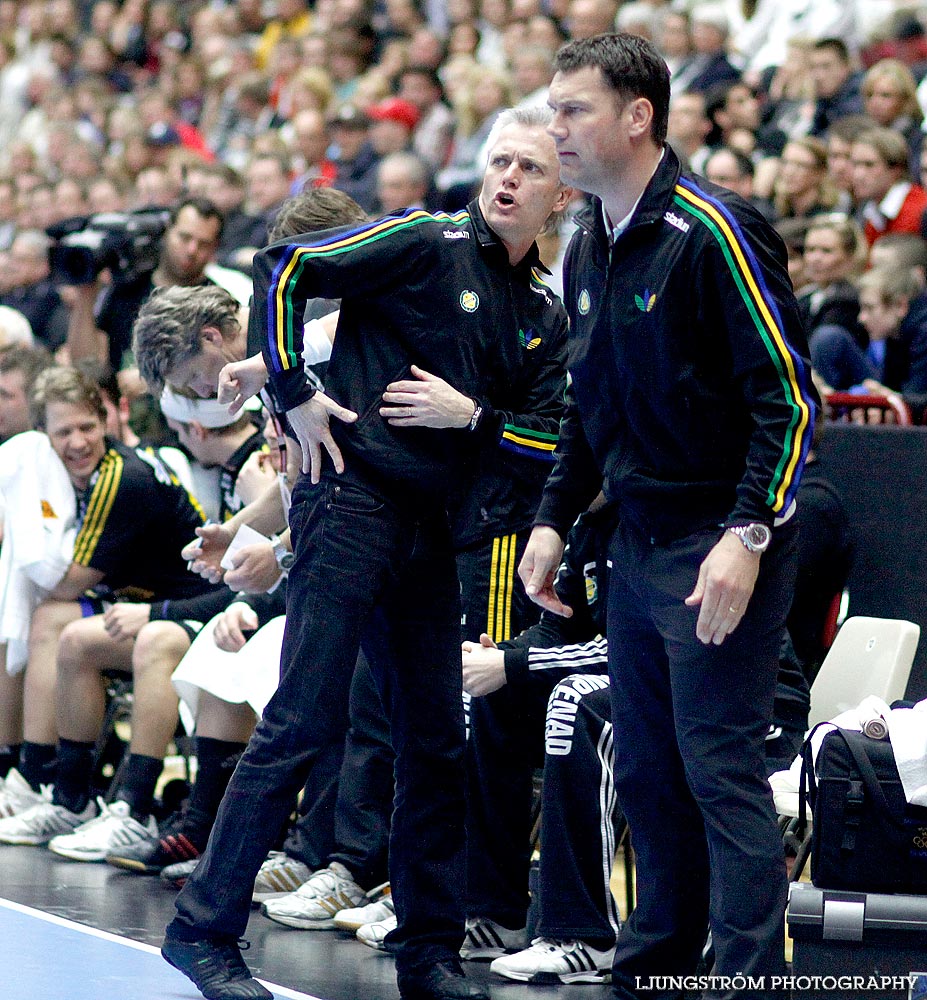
310,423
204,554
539,566
229,633
240,380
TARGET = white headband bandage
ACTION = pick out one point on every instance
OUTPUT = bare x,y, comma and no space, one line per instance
205,412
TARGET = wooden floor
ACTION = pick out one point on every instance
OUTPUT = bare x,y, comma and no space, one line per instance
328,965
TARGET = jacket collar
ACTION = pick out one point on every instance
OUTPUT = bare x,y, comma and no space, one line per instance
491,244
656,199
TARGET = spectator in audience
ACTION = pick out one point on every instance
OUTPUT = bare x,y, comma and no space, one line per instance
225,188
802,188
732,106
133,518
188,245
879,367
14,328
20,366
840,138
836,85
403,181
888,201
689,128
674,40
709,65
585,18
30,290
393,122
734,170
354,158
309,147
834,257
421,86
890,99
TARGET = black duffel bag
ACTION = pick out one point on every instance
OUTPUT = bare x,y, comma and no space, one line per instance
865,836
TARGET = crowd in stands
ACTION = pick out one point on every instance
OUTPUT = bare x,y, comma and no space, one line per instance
217,119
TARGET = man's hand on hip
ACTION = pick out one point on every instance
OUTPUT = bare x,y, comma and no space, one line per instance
539,566
310,423
722,592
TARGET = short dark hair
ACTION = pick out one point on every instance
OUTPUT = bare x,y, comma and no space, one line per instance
632,67
203,207
313,210
836,45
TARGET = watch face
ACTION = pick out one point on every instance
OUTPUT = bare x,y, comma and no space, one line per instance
758,535
286,561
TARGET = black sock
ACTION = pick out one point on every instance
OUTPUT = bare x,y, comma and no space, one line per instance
137,784
216,760
75,773
37,763
9,758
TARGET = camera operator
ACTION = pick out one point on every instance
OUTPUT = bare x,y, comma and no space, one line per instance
188,245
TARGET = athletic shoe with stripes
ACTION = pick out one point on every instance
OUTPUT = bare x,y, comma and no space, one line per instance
485,939
41,822
177,875
551,962
166,846
114,829
17,795
374,935
314,904
279,876
379,908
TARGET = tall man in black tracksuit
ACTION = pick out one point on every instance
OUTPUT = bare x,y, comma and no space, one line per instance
691,399
448,314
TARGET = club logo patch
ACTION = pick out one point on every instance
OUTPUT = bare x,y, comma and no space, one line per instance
469,301
584,302
645,302
529,341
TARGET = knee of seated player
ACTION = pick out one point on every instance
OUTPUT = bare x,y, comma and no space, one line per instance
83,647
159,646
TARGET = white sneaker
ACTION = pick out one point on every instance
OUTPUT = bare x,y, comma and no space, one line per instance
373,934
39,823
279,876
113,829
314,904
17,795
379,908
556,962
485,939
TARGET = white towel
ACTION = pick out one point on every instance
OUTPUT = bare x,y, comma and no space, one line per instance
907,729
39,529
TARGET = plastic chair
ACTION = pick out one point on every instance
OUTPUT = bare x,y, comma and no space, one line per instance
849,407
870,656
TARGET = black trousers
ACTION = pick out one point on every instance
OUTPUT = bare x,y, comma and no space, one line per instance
356,549
690,722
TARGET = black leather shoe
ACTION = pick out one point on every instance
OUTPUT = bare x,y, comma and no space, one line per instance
443,981
216,968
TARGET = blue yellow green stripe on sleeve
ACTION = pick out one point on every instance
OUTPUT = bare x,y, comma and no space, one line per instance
762,309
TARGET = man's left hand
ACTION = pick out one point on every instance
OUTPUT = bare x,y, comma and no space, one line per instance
722,592
255,568
124,620
483,667
427,402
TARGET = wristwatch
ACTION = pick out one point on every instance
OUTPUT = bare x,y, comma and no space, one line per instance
755,537
477,415
282,554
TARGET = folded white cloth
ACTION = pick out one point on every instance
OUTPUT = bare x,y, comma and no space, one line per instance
249,676
39,528
907,729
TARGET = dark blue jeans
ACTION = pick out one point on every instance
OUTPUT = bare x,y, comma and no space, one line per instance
356,549
690,722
